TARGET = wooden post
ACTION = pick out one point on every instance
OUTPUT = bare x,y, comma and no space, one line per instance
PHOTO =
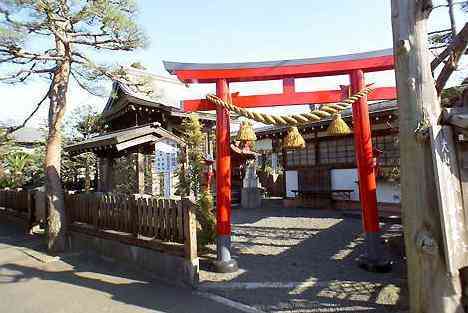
140,172
133,207
96,200
32,211
430,197
190,242
106,165
190,229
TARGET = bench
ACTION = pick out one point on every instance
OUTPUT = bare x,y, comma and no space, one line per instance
311,194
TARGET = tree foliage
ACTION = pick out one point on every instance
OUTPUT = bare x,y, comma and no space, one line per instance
83,123
82,26
18,168
59,40
190,177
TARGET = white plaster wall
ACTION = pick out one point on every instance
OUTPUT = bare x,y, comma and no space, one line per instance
291,183
388,192
345,179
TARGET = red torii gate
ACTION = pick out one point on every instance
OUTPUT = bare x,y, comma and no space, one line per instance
354,65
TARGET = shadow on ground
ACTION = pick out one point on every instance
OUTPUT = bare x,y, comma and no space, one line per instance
301,260
81,282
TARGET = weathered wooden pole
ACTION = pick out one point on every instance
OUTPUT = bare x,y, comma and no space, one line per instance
224,262
430,197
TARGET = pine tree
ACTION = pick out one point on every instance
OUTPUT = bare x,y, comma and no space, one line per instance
58,40
190,177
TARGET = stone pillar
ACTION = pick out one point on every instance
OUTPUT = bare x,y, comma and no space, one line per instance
251,195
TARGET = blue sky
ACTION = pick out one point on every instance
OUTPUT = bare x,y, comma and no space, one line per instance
244,30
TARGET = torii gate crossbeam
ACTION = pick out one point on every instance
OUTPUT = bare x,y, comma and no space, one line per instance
353,65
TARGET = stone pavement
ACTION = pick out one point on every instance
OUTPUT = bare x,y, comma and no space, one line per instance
33,282
303,260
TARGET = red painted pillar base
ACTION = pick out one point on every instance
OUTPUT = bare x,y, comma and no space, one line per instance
373,260
224,262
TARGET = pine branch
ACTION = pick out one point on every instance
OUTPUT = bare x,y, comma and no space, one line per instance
22,75
83,86
462,3
108,44
458,40
19,53
38,105
456,50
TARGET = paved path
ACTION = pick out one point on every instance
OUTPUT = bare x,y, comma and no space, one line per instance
303,260
32,282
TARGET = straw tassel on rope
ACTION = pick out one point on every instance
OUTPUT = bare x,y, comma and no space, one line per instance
293,139
338,126
246,132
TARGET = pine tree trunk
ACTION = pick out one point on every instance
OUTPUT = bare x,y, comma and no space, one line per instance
55,194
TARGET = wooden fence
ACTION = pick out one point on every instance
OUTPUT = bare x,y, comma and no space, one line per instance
162,224
17,202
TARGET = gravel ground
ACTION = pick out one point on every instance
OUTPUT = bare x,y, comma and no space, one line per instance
302,260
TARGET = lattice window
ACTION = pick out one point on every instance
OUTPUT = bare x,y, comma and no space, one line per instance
339,151
302,157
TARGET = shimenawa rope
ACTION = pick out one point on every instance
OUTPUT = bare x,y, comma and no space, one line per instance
324,111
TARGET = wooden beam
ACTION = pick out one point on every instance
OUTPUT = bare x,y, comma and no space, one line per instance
339,67
284,99
137,141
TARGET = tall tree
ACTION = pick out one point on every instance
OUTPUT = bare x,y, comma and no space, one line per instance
58,40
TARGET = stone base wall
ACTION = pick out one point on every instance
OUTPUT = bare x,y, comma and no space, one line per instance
170,268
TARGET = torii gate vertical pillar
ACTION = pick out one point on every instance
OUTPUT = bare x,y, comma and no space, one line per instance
224,262
373,260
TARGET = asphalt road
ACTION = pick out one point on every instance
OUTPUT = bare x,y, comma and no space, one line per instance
32,282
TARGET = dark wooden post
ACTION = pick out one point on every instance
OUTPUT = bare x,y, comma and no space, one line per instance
32,211
140,172
134,215
106,165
